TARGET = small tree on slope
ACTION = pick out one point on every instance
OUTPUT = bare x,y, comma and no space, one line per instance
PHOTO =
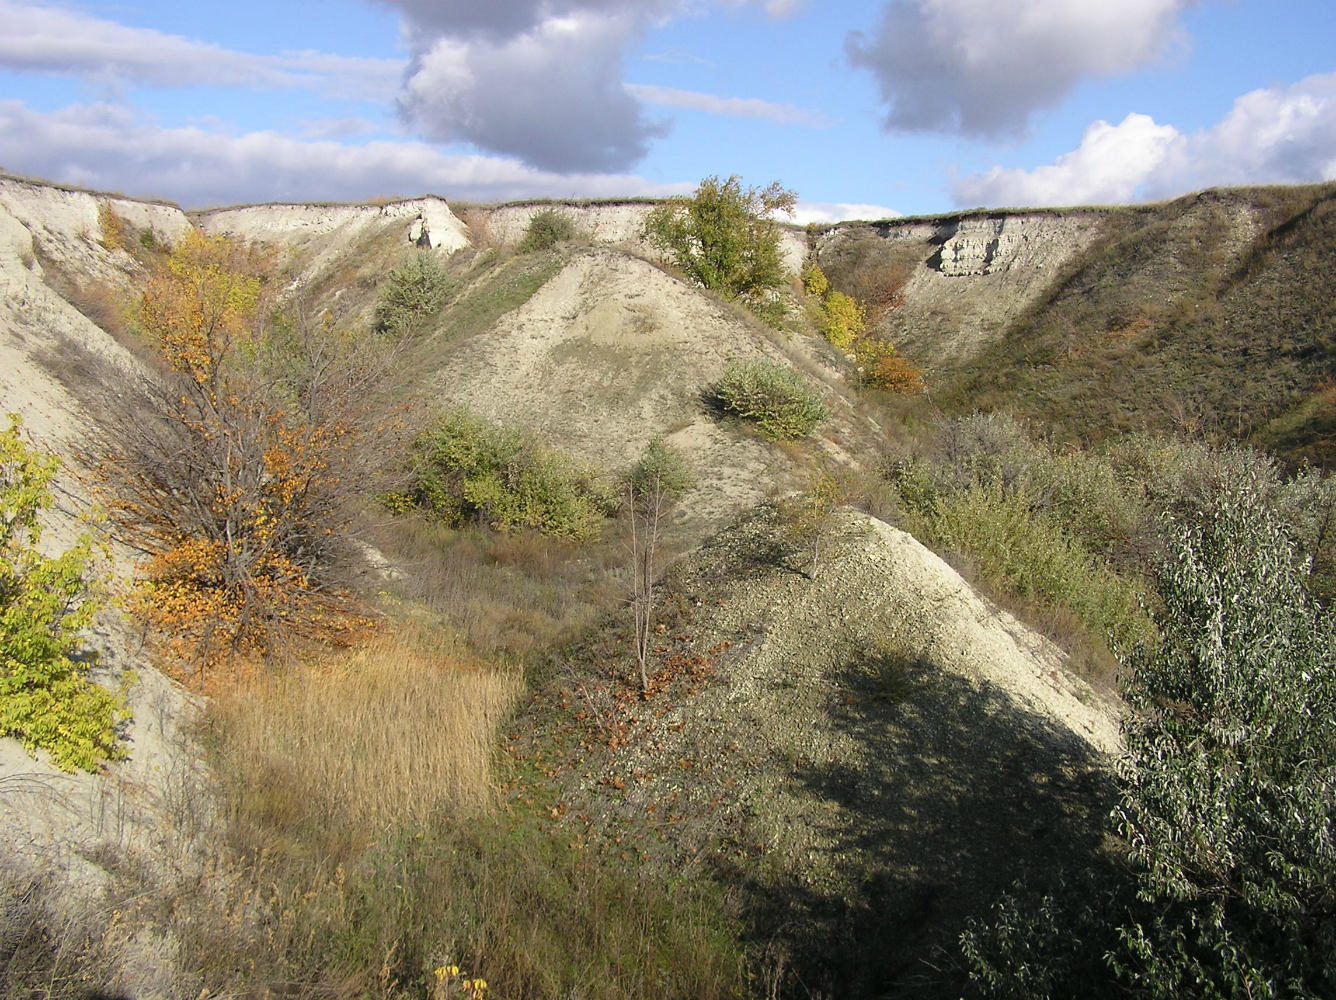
725,238
46,699
653,486
1229,784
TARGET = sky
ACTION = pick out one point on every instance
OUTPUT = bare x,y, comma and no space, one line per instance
865,108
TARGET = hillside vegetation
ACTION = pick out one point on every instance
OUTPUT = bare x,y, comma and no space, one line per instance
1210,315
568,628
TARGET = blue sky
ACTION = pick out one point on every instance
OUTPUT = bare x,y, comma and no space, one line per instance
866,108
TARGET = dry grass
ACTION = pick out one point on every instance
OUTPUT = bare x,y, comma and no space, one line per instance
394,733
512,596
477,221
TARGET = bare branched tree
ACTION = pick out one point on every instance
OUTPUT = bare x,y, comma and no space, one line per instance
653,486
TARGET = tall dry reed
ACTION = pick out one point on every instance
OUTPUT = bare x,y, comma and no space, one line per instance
390,734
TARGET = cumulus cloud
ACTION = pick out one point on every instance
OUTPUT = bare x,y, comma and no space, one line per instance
1276,135
737,107
1110,165
1279,135
982,67
59,41
541,80
109,147
840,211
552,96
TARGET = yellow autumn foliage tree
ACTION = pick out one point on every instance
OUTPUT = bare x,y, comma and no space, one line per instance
844,322
237,480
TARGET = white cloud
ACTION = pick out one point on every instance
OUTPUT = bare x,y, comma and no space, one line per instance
737,107
839,211
541,79
982,67
552,96
1110,165
59,41
108,147
1279,135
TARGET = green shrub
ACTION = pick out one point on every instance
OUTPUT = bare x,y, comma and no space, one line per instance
773,396
1226,802
1029,553
467,468
46,699
724,238
1059,531
411,295
1225,807
546,229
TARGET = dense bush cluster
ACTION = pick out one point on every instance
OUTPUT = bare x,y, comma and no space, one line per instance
774,397
843,322
46,699
236,463
725,238
411,296
1080,530
1225,793
546,229
467,469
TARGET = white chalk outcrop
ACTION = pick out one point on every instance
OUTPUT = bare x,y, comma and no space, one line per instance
298,225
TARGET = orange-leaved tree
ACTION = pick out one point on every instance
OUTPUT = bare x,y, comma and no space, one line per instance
238,475
882,366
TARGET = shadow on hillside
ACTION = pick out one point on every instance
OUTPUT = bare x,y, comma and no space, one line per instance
964,794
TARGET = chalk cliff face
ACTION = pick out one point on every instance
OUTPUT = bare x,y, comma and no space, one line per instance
64,225
618,223
1024,243
330,229
962,280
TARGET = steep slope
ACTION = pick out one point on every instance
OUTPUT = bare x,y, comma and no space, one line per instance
1213,314
45,816
611,352
948,287
1209,314
867,757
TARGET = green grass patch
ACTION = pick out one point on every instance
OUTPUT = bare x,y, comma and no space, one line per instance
503,284
1031,555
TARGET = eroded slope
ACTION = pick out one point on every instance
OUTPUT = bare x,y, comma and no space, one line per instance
867,757
611,352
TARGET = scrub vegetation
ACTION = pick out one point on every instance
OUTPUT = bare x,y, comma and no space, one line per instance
485,719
